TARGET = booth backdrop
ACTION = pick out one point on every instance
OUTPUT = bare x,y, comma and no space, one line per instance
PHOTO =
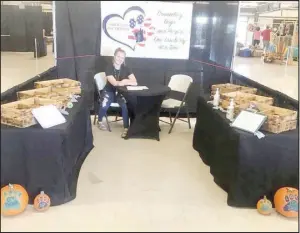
78,36
19,28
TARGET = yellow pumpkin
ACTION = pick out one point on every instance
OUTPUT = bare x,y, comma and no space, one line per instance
264,206
42,202
14,199
286,202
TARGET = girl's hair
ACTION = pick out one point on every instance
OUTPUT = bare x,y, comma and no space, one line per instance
257,28
117,51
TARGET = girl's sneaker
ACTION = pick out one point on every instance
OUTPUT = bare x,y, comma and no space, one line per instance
101,126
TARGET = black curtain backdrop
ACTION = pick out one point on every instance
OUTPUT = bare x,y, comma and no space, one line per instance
47,23
34,26
23,25
6,17
78,33
14,26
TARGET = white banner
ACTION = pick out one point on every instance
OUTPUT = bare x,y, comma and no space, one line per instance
146,29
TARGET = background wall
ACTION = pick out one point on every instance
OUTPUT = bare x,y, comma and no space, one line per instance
48,23
78,27
288,11
282,13
19,27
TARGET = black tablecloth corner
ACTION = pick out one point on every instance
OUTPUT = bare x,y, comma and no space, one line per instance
145,106
48,159
246,167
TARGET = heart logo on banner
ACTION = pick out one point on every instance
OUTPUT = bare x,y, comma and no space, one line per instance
134,27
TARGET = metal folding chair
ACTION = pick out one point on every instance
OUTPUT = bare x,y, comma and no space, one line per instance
179,83
100,82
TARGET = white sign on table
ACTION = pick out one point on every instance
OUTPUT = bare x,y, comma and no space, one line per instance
249,121
48,116
146,29
137,88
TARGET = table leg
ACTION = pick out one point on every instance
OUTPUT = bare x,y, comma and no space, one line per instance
145,124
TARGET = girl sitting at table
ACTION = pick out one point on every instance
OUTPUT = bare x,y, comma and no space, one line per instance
117,75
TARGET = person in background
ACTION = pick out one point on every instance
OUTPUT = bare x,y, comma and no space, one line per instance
266,35
256,36
117,75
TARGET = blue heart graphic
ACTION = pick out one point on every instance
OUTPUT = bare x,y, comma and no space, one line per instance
108,17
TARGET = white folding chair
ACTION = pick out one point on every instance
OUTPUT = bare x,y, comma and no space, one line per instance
178,83
100,82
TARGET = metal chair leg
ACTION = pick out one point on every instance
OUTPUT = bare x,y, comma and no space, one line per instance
96,112
170,117
188,116
109,129
174,120
116,118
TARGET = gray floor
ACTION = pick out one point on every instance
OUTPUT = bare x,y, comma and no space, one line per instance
17,67
278,77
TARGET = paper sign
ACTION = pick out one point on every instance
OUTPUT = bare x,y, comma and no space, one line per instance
249,121
48,116
146,29
136,88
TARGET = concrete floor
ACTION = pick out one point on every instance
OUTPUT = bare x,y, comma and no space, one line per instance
17,67
278,77
141,185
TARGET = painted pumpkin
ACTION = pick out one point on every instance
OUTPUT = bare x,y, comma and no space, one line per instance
286,202
42,202
14,199
264,206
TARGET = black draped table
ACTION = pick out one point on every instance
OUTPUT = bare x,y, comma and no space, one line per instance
246,167
47,159
145,105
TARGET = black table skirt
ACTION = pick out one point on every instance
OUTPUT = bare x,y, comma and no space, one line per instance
47,159
144,107
246,167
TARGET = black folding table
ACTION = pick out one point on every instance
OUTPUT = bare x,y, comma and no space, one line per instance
145,107
48,160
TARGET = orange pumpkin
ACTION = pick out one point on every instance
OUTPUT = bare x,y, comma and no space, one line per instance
14,199
286,202
42,202
264,206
